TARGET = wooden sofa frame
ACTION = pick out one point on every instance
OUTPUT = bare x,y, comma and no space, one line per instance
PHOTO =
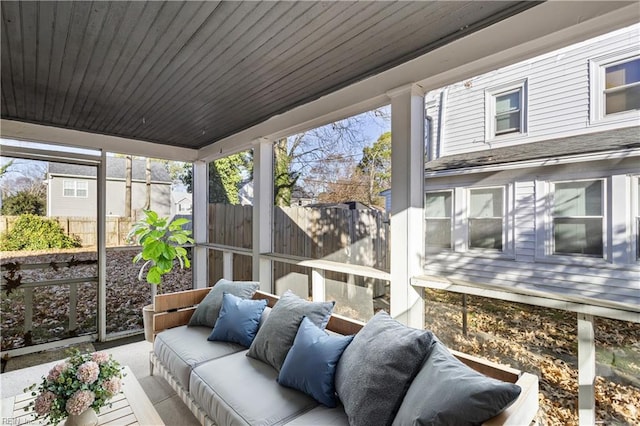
175,309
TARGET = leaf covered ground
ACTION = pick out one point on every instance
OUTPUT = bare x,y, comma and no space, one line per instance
544,342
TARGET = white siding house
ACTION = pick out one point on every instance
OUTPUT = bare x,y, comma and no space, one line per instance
71,189
533,173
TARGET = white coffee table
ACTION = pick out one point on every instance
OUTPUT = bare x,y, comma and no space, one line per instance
131,407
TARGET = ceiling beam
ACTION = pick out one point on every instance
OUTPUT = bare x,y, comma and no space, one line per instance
29,132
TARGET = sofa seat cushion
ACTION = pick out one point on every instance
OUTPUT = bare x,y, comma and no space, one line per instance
180,349
238,390
322,415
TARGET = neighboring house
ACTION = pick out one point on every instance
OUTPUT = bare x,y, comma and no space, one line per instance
532,176
71,189
245,193
386,194
182,203
301,197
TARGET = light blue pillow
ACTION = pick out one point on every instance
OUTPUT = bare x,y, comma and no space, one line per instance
310,365
238,320
208,310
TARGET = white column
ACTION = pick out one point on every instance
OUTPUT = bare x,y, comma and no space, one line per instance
227,265
262,212
618,190
586,370
407,183
317,285
200,205
101,216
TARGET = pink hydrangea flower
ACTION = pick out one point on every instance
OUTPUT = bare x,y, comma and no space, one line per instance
100,357
88,372
112,385
42,405
80,401
56,371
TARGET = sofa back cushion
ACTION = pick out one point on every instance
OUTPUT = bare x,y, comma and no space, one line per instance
208,310
275,336
447,392
377,368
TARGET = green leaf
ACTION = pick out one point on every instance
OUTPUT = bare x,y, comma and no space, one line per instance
154,275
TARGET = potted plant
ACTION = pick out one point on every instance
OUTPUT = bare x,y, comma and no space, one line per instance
161,242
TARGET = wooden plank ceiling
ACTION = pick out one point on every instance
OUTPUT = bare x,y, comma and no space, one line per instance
190,73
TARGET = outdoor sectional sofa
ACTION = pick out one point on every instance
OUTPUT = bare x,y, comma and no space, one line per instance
387,374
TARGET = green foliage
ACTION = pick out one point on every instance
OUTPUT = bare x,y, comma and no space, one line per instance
283,178
24,202
375,165
161,243
225,177
32,232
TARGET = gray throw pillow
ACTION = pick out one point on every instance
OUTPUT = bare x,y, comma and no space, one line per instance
275,337
208,310
447,392
377,368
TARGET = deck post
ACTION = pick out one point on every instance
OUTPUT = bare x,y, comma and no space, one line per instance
227,265
262,212
200,224
586,370
317,285
407,183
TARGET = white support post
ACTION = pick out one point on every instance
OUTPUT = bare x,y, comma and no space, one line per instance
227,265
200,225
102,247
407,183
73,306
317,285
586,370
619,207
262,212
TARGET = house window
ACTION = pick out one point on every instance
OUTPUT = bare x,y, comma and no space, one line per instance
486,212
74,188
438,219
506,110
622,87
578,218
615,87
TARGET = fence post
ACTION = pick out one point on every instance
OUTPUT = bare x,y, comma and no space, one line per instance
28,311
73,307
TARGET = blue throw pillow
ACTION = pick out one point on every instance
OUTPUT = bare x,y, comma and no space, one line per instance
310,365
238,320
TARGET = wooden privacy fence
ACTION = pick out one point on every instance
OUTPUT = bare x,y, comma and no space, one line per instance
358,237
85,228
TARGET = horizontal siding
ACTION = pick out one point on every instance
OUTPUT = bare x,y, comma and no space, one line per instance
558,95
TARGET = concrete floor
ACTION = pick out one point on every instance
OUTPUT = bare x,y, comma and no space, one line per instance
133,354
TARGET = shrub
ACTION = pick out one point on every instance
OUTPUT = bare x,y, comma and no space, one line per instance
32,232
23,203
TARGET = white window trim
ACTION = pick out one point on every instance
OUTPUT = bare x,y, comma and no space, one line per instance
436,249
597,83
490,110
75,188
544,224
506,223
